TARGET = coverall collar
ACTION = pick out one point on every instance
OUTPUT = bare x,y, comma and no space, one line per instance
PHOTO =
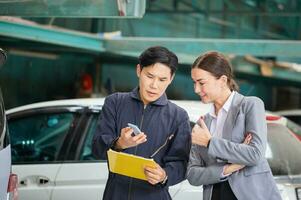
162,101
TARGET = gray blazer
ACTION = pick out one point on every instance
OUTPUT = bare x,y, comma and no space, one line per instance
255,181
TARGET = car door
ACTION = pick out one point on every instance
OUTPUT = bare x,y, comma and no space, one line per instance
5,152
39,139
83,177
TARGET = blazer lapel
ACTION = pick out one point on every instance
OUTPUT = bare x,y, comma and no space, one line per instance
208,120
232,115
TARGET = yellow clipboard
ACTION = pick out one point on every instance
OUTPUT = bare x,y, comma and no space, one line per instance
128,164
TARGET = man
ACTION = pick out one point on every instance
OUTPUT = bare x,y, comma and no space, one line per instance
165,130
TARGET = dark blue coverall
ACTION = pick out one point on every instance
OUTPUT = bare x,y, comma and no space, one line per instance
158,120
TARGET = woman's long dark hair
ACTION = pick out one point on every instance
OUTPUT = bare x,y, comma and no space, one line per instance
217,64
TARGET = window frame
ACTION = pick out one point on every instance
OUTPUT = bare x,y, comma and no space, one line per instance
4,134
83,135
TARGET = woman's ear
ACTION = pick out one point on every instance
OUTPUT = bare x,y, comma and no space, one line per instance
224,81
224,78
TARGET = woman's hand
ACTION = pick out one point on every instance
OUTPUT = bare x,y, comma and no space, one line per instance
200,134
248,138
229,169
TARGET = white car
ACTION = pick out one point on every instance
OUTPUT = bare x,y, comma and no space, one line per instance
295,119
51,152
8,181
294,115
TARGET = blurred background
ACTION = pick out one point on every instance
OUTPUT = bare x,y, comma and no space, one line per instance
66,49
73,48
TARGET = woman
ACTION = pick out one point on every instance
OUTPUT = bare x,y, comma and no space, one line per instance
227,156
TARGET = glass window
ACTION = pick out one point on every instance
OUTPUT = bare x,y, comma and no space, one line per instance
38,138
86,153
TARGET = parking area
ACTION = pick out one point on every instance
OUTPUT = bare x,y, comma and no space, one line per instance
211,90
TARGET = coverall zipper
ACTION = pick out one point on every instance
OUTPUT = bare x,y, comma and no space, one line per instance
135,152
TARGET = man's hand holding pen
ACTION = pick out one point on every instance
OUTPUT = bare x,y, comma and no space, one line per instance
155,175
200,134
126,140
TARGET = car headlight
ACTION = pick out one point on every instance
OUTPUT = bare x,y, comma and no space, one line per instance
298,193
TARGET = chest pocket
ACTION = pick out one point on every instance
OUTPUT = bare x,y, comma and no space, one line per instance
238,132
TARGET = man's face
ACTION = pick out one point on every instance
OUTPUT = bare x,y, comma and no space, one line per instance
153,81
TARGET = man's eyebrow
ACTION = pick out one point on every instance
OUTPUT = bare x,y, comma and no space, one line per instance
148,73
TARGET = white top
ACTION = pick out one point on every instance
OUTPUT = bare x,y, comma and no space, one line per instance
217,124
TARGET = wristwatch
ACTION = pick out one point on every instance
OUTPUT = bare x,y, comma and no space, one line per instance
113,144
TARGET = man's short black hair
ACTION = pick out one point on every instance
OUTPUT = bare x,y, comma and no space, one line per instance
158,54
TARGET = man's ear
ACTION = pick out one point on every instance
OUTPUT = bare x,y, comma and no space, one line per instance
138,70
172,77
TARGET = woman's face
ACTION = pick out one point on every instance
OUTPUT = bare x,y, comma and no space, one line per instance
208,87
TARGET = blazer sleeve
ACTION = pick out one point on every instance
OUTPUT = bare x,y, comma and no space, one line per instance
176,159
249,155
200,174
106,132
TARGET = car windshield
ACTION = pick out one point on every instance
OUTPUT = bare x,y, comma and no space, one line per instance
283,150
